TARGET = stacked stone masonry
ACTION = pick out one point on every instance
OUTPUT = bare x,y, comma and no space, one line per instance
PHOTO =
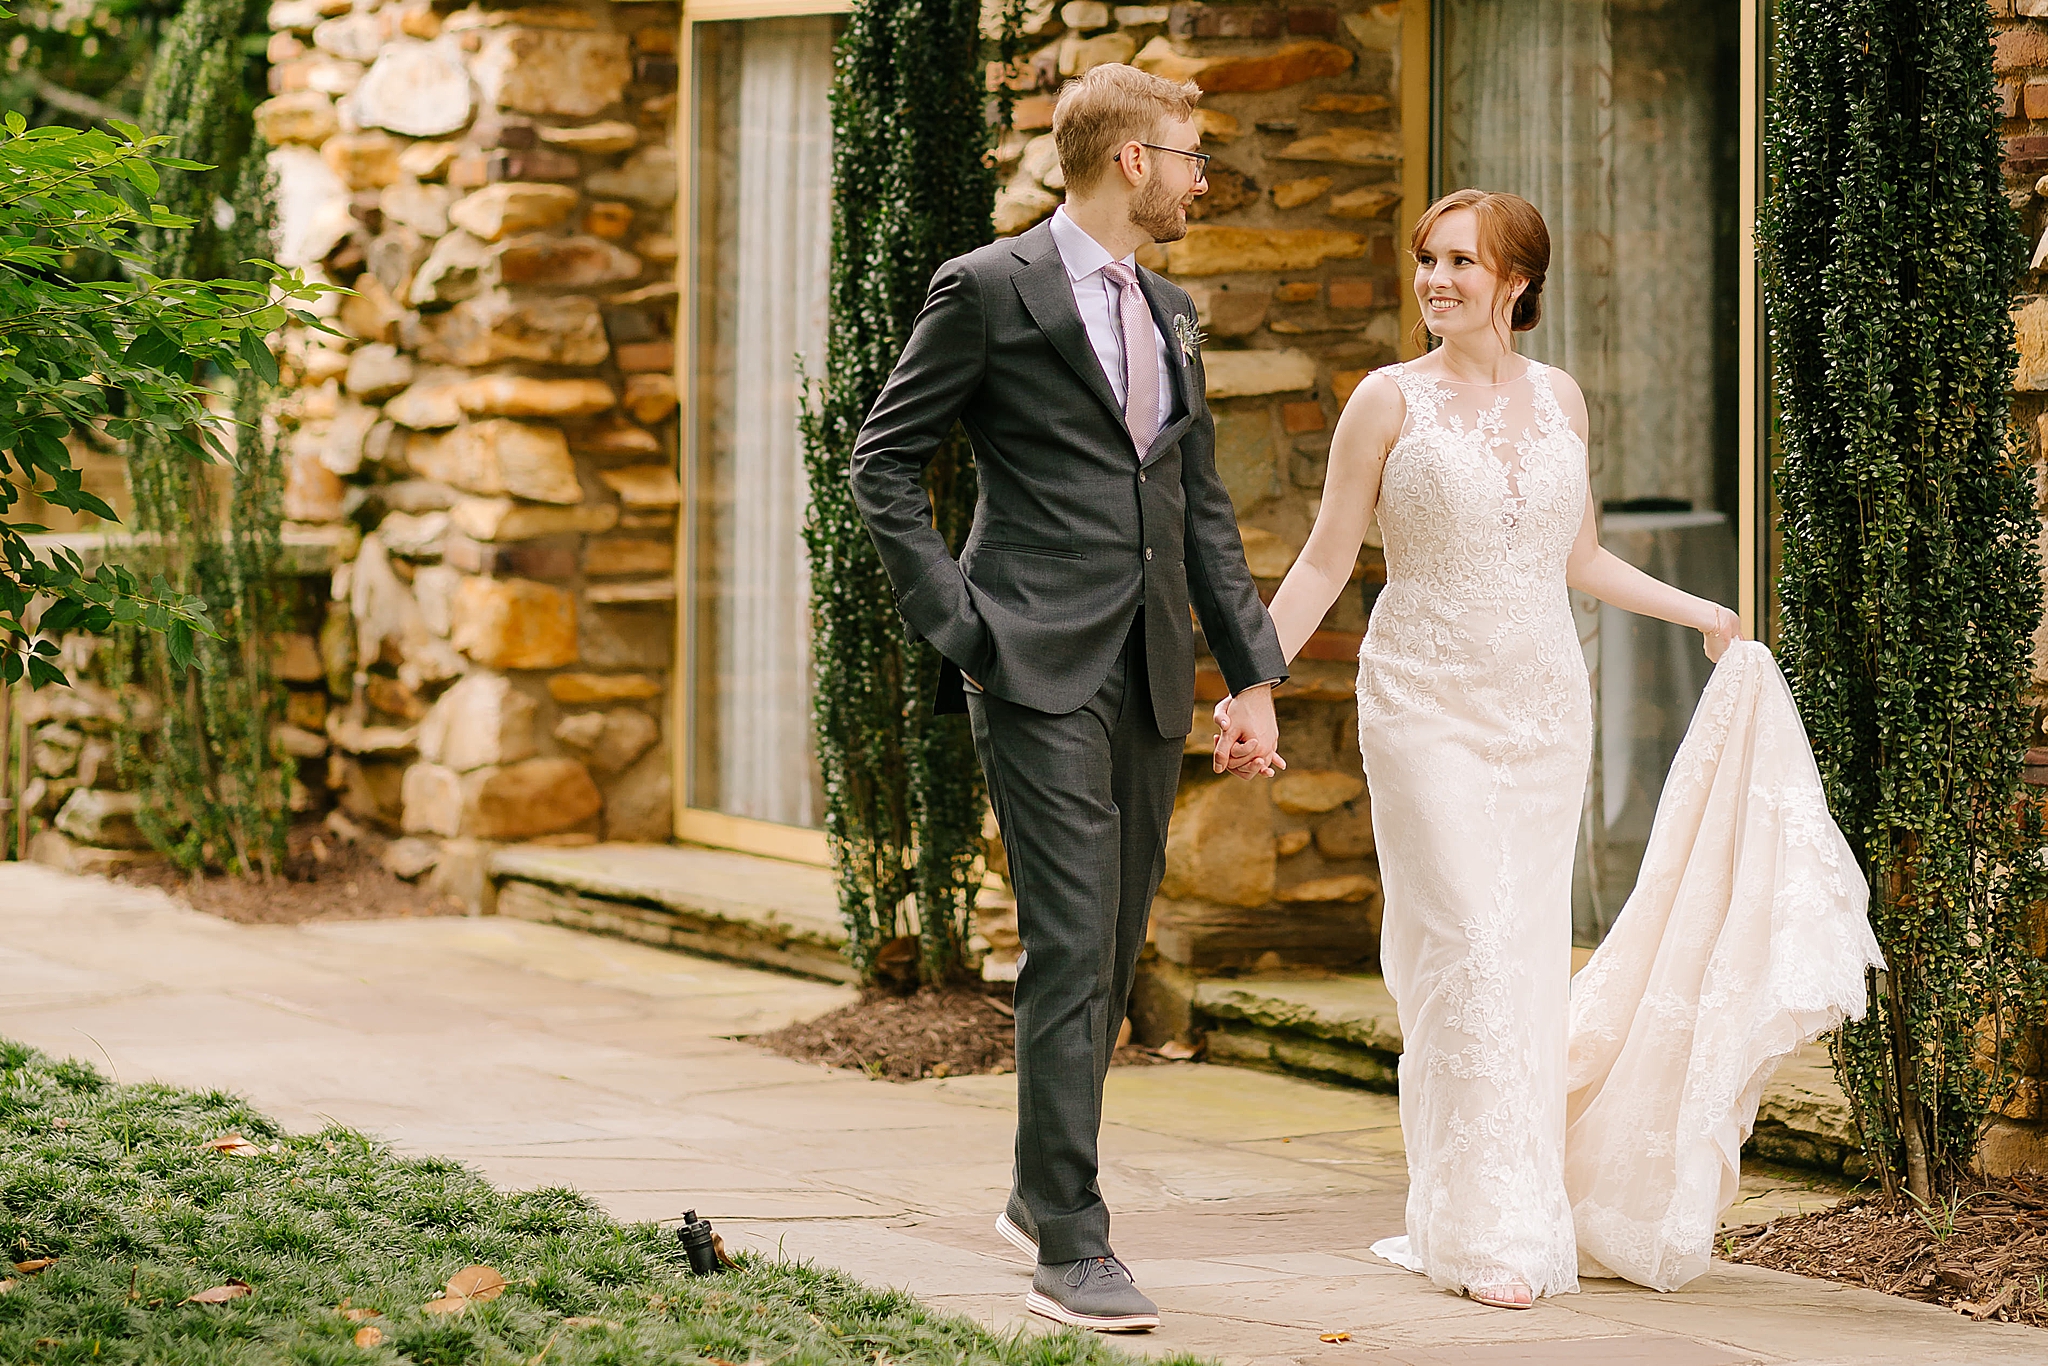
495,425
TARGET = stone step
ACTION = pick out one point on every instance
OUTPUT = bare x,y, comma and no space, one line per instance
739,907
1343,1029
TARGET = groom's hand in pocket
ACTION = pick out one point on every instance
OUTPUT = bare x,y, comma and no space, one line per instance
1248,734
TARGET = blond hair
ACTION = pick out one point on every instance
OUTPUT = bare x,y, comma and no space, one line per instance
1108,107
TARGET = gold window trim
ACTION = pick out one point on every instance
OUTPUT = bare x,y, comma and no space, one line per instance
697,825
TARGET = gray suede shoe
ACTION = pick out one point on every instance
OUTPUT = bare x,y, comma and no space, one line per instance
1096,1292
1018,1228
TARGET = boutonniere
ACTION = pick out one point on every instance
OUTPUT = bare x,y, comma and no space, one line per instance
1189,334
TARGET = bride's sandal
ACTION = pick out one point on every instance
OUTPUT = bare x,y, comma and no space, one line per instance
1506,1295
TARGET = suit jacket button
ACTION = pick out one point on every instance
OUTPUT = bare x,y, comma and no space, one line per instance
1148,552
1141,476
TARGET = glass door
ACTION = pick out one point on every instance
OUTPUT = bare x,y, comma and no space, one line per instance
758,216
1620,120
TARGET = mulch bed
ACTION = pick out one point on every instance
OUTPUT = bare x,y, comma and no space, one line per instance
331,872
936,1032
1986,1256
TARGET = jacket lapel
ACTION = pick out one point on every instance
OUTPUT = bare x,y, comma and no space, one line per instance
1049,298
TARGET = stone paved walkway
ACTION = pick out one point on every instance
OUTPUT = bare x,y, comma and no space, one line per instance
1244,1201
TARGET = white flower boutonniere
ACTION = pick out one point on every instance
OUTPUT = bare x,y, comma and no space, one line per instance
1189,334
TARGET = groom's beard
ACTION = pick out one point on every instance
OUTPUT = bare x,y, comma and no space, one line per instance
1158,213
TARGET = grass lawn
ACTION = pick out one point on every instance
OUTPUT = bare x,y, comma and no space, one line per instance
343,1245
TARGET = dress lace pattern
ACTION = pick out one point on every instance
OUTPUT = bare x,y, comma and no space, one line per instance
1746,936
1555,1129
1475,720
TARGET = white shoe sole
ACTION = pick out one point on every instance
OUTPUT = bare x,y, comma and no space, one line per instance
1047,1307
1017,1237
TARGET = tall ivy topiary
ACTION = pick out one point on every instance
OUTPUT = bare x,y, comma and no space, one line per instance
1911,583
911,190
215,787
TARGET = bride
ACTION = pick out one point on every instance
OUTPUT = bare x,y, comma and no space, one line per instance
1475,722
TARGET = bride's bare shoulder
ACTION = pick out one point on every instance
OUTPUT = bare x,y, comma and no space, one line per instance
1378,395
1376,410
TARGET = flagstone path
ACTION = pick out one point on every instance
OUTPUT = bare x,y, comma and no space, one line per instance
1244,1201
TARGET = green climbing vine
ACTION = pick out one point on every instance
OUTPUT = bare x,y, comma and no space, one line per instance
215,788
911,189
1911,583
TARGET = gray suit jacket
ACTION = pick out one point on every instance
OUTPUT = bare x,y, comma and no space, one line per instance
1072,532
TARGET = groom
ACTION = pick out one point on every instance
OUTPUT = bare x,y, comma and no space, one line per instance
1065,622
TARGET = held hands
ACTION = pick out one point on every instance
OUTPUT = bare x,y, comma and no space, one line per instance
1722,629
1248,734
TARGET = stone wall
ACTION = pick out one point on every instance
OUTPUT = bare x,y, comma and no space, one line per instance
1290,257
497,419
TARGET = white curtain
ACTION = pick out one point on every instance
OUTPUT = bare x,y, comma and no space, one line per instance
1594,112
771,261
1528,110
1606,114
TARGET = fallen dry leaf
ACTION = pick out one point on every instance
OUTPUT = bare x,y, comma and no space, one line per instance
369,1335
235,1145
6,1286
33,1265
589,1321
221,1294
471,1285
1339,1336
1178,1051
356,1315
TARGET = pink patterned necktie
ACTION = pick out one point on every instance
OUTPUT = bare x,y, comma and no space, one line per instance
1141,366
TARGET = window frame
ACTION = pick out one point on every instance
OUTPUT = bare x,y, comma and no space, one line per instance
700,825
1421,90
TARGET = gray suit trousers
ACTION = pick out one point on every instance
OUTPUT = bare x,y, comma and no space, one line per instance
1083,800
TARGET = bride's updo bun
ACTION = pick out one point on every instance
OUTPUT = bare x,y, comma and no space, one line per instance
1513,242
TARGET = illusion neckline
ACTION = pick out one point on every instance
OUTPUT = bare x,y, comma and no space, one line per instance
1529,369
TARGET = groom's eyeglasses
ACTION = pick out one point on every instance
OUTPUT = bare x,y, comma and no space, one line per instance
1201,159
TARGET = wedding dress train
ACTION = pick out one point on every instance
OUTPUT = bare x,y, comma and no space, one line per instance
1554,1128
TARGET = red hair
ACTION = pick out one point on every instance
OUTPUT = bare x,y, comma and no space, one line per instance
1513,242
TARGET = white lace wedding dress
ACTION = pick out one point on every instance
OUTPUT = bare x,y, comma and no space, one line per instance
1554,1127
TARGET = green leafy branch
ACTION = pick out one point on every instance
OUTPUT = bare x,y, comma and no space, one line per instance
126,361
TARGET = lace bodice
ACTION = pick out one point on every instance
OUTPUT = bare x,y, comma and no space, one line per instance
1480,500
1484,491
